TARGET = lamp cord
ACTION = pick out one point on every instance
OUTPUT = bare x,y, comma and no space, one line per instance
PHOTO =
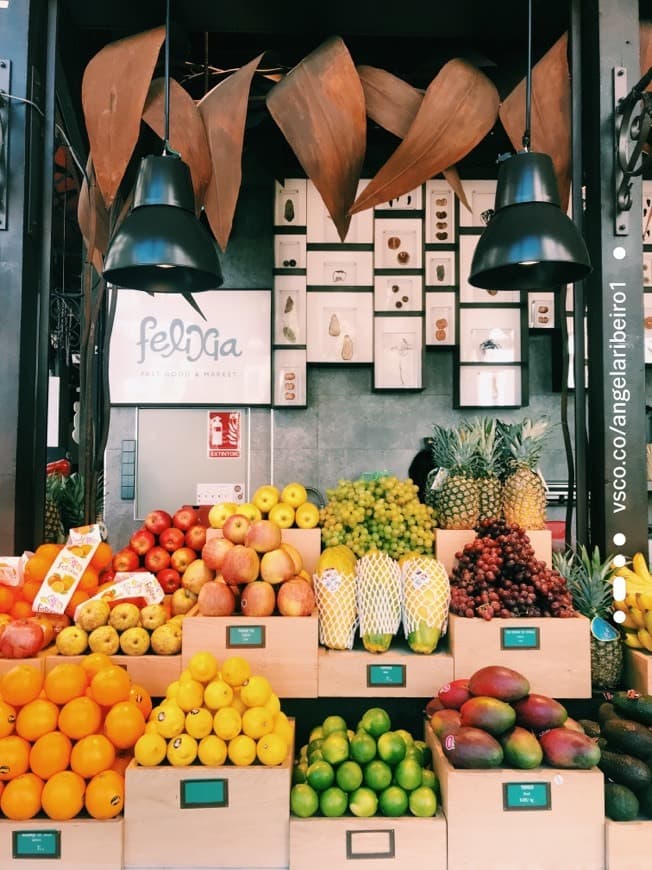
528,80
166,137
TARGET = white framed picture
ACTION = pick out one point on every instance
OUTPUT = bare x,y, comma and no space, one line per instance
398,293
481,197
289,309
541,310
469,293
321,230
490,386
647,268
440,318
290,376
647,213
290,203
440,268
289,251
340,327
398,353
410,201
439,227
398,244
490,335
647,326
341,267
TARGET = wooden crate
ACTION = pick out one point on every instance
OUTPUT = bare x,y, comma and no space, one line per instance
282,648
306,541
628,845
37,661
397,673
554,654
152,672
393,843
449,542
506,819
638,670
80,843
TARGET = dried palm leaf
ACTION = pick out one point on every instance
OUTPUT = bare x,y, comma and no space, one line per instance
320,109
223,111
114,89
93,218
459,108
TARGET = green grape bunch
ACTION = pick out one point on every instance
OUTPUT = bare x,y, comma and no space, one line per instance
383,514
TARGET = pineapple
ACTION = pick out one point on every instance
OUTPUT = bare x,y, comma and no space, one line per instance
458,493
489,462
53,531
524,490
589,580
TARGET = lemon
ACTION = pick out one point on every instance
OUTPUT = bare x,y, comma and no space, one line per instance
199,722
203,666
237,701
271,749
283,726
211,750
256,691
150,750
242,750
170,721
172,689
151,727
217,694
185,675
182,750
227,723
273,704
235,670
190,695
257,721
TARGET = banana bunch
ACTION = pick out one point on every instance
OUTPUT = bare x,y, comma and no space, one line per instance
637,605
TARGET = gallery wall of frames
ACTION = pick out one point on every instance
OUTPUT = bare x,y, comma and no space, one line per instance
395,289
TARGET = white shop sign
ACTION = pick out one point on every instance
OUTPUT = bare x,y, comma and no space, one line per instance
163,353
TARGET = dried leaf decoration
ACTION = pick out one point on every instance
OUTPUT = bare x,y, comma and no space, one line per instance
93,218
187,133
550,113
320,109
645,48
459,108
223,111
114,90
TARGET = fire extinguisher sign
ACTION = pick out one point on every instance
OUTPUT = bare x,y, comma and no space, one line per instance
224,435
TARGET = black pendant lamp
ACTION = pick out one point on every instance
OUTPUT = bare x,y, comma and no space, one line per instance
529,243
161,247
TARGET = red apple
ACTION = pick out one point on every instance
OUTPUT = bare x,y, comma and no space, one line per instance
295,598
157,521
235,528
276,566
258,599
263,535
195,575
169,580
214,551
185,517
141,541
125,560
241,565
181,558
216,599
171,539
157,559
195,537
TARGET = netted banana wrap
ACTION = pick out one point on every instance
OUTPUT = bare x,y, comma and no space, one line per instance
336,607
426,597
379,594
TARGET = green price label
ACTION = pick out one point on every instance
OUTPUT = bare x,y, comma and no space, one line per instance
36,844
386,675
519,638
249,636
203,793
526,796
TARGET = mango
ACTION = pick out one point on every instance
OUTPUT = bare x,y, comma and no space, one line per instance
499,682
445,722
539,712
489,713
454,694
563,747
521,748
472,748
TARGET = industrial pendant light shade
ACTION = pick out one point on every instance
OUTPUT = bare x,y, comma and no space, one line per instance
529,243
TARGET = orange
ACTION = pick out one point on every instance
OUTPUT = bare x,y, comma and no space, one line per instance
63,795
21,798
36,719
89,579
124,724
102,556
20,685
105,795
50,754
21,609
7,719
122,761
36,567
30,589
7,598
14,756
64,682
94,662
78,597
48,551
110,685
80,717
141,698
92,755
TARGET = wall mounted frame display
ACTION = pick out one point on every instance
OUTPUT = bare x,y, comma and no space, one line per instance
290,309
440,227
469,293
398,293
321,230
289,251
481,196
570,326
398,243
647,213
440,268
647,268
341,267
647,326
290,203
290,388
490,335
490,387
541,310
398,353
411,201
339,327
440,319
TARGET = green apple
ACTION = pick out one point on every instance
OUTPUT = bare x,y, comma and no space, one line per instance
266,497
282,514
307,515
220,512
250,511
294,494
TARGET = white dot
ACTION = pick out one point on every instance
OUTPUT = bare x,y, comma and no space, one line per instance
619,253
619,589
619,616
619,560
619,539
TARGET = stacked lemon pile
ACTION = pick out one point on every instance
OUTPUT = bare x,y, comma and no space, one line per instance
214,715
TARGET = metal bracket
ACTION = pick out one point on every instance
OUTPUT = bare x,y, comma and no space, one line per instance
632,119
5,73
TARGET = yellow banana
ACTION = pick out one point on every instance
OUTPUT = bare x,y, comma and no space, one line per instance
648,620
639,566
644,600
631,600
633,582
632,641
638,617
645,638
621,605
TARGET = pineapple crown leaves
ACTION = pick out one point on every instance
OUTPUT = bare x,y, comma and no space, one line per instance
588,577
456,448
524,442
490,447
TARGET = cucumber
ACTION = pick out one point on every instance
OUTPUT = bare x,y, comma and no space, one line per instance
634,706
625,770
620,802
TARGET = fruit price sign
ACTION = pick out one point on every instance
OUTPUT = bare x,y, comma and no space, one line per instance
162,352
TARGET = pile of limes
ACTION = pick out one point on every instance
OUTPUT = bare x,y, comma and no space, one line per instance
214,715
372,770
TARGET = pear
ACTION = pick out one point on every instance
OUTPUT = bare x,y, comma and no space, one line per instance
152,616
93,614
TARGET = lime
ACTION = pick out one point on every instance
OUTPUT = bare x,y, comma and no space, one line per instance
430,779
333,723
393,801
362,747
303,752
426,752
377,775
317,755
316,733
348,775
320,775
333,801
315,744
423,802
363,802
304,801
407,737
376,721
299,771
408,774
391,747
335,747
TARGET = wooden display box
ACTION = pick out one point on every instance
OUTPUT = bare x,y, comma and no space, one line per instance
628,845
198,816
399,672
75,845
393,843
638,670
281,648
506,819
306,541
37,661
450,542
154,673
554,654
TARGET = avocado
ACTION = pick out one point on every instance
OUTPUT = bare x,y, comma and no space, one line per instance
606,710
625,770
591,728
645,801
635,706
629,736
620,802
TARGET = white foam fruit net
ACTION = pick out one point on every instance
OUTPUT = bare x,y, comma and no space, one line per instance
378,587
335,595
426,594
